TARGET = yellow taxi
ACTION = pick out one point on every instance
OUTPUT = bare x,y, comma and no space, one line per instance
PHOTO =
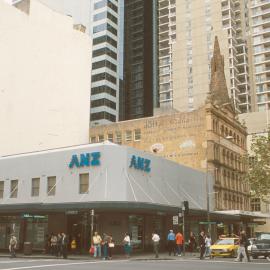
225,247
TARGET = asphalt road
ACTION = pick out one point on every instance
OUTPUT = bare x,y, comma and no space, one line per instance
183,264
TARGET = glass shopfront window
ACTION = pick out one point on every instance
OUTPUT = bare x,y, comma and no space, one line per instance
36,230
136,230
8,225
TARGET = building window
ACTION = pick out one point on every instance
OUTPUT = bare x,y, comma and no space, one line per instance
103,115
100,138
104,51
103,102
104,76
110,137
1,189
35,187
128,136
84,183
51,185
14,189
256,204
93,139
137,135
118,137
103,89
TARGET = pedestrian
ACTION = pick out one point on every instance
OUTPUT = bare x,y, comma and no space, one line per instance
64,245
171,242
192,242
12,245
241,250
155,239
110,246
179,243
127,245
58,246
202,244
208,243
104,245
54,244
97,245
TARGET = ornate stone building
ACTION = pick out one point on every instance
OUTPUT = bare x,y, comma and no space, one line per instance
209,139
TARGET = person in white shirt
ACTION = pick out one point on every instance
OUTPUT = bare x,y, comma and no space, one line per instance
207,246
155,239
127,245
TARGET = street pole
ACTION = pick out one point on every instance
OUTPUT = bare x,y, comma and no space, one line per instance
92,213
207,189
183,214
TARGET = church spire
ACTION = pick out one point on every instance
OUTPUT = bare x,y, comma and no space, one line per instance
218,92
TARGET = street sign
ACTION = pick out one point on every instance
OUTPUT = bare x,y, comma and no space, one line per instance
175,220
206,222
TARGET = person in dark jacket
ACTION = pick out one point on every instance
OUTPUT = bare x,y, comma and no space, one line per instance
202,245
64,245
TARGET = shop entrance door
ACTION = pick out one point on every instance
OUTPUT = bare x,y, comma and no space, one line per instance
136,230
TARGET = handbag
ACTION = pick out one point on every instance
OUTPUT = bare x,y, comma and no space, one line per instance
111,245
92,250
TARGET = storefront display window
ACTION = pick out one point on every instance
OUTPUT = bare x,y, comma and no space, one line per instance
136,225
36,230
8,225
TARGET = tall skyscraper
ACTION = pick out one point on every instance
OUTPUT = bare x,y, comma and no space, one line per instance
186,33
103,22
140,58
260,26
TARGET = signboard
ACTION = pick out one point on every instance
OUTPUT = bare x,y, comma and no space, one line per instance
32,216
140,163
85,160
206,222
175,220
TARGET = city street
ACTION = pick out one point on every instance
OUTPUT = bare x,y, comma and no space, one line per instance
184,264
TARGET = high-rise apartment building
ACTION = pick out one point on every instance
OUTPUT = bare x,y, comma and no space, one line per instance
103,24
140,58
186,33
260,26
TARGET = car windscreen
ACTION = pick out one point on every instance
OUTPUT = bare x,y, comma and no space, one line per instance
225,242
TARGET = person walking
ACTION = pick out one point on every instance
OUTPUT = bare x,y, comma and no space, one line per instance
97,245
127,245
171,242
192,242
208,243
179,243
202,245
64,245
155,239
12,245
241,250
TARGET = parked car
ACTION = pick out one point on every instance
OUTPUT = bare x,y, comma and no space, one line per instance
225,247
261,246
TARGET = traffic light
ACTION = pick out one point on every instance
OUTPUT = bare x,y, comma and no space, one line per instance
186,207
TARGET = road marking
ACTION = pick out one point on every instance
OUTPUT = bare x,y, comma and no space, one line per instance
24,261
61,264
214,261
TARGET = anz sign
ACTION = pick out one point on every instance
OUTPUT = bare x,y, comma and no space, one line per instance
85,160
140,163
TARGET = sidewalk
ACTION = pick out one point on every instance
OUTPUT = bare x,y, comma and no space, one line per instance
141,256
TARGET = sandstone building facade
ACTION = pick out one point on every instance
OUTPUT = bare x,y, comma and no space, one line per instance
210,139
